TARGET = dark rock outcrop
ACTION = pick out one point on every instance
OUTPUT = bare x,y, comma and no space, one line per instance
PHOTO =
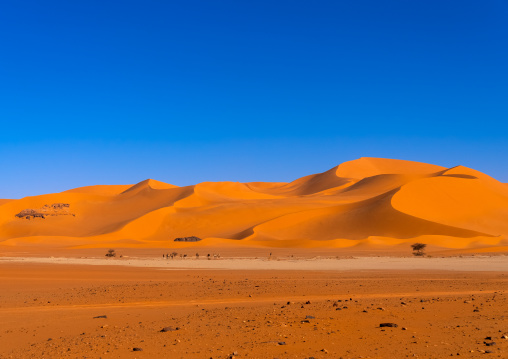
187,239
55,209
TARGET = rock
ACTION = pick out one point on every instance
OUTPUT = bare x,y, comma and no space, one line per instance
491,344
169,329
101,317
187,239
55,209
504,337
404,328
305,321
488,338
390,325
307,302
137,349
310,317
324,351
281,343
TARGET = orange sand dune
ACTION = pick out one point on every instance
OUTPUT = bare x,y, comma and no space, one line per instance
369,202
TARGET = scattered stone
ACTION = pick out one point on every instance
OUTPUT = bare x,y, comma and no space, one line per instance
310,317
504,337
169,329
281,343
305,321
390,325
488,338
101,317
137,349
324,351
307,302
404,328
491,344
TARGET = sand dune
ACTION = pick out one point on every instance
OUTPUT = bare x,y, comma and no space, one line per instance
369,202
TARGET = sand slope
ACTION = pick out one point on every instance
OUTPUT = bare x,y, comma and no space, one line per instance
367,202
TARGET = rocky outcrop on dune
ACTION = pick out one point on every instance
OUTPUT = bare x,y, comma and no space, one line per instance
187,239
55,209
369,201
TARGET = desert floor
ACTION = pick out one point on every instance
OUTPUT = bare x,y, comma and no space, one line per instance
55,309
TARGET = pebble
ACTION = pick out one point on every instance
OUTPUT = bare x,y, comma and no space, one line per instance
169,329
390,325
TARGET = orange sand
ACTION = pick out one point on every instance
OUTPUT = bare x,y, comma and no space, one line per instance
366,204
49,311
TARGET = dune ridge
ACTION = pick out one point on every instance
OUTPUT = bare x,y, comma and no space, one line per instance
368,202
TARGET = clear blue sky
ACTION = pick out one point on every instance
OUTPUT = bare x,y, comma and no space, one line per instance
114,92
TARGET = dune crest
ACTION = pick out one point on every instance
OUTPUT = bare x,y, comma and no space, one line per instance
149,184
368,202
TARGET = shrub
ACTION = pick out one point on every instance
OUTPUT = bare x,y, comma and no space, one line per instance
111,253
418,249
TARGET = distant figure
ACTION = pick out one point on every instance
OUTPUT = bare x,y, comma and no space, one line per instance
197,255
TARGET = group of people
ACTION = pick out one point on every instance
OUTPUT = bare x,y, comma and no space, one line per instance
174,254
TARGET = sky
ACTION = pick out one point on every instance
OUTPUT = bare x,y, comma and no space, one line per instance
115,92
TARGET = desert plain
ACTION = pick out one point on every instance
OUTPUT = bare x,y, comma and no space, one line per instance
151,307
317,268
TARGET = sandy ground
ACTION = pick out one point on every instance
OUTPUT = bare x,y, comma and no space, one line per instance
474,264
50,310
